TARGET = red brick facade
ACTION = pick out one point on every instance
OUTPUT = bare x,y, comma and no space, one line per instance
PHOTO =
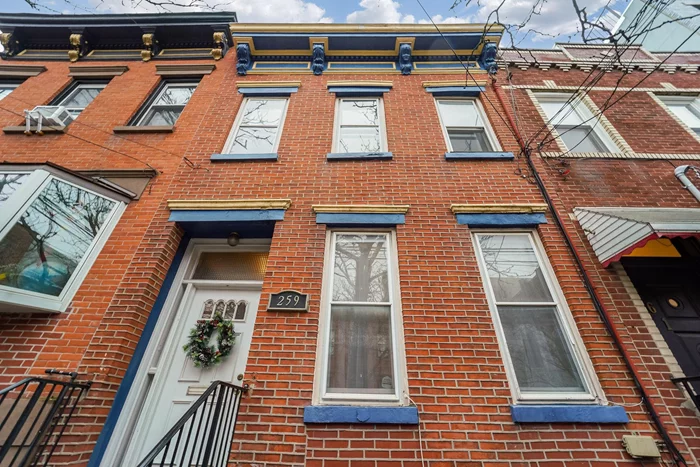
456,374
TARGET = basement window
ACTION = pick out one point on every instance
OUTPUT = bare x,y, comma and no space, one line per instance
51,230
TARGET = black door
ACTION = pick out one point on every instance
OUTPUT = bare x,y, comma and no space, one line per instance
670,289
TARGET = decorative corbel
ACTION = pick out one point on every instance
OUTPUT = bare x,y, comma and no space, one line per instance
79,47
405,59
242,58
488,57
220,45
10,44
318,59
150,44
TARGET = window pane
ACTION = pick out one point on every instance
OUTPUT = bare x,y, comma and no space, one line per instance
161,117
42,250
459,113
263,112
5,90
81,98
359,112
567,116
468,140
358,139
685,114
541,357
360,357
176,95
250,140
513,269
360,272
9,183
581,139
243,266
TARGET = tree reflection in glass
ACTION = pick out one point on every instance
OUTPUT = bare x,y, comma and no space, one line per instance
259,126
359,129
42,250
169,105
9,183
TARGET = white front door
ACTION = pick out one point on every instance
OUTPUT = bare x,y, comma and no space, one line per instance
177,381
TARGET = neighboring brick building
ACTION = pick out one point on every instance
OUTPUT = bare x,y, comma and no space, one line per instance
364,213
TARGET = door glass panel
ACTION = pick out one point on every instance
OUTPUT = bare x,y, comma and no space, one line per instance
240,266
42,250
9,183
361,271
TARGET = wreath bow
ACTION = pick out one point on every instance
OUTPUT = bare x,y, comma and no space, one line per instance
198,349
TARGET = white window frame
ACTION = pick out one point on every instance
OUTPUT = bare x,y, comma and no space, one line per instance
239,118
580,356
383,146
400,395
583,112
15,207
490,135
10,86
693,102
152,103
76,89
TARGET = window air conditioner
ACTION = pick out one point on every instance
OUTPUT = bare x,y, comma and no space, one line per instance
51,115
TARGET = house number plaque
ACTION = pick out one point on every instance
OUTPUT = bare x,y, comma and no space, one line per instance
288,300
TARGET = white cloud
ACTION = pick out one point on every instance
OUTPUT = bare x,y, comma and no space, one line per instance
379,11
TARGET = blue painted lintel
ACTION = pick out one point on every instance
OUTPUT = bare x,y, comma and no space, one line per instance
271,156
479,156
364,415
501,220
237,215
348,156
359,218
456,91
359,91
568,414
268,92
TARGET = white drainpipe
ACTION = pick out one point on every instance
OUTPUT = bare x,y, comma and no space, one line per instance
680,175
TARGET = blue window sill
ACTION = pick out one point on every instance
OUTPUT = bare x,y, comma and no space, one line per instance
272,156
480,156
364,415
348,156
568,414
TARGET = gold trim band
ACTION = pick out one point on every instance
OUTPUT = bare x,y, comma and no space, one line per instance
498,208
222,204
369,208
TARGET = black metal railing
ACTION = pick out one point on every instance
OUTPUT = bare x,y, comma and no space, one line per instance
204,434
689,384
34,414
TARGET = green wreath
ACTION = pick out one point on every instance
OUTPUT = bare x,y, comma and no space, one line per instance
198,349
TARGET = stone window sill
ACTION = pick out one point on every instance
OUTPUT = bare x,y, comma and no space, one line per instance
361,414
272,156
479,156
144,129
20,129
347,156
568,414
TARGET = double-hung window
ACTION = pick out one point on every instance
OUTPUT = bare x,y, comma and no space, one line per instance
361,359
167,104
545,358
359,126
464,125
258,126
686,109
51,229
79,95
6,88
575,124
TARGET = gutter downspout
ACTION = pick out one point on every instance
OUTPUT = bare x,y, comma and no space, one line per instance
590,288
680,175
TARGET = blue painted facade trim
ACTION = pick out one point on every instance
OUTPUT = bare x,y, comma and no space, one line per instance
456,91
272,156
568,414
341,65
232,215
360,218
364,415
479,156
125,386
268,92
348,156
501,219
358,91
300,65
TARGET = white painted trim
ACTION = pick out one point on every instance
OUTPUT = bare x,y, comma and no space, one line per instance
691,101
566,320
383,144
490,135
239,117
143,381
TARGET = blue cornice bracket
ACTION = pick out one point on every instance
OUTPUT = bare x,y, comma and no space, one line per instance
488,57
318,59
405,59
243,61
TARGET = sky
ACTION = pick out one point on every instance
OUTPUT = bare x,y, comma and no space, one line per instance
556,21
